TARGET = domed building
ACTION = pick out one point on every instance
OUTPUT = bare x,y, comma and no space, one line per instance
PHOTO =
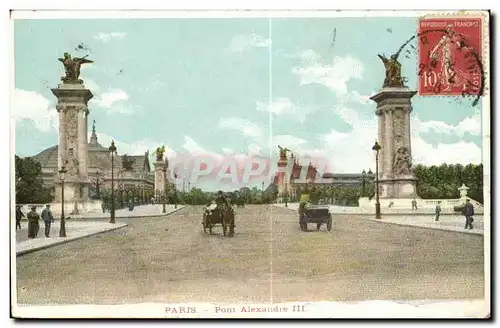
131,171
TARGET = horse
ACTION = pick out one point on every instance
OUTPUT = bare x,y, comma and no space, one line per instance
222,214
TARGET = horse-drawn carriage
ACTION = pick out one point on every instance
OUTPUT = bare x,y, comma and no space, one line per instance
319,214
219,214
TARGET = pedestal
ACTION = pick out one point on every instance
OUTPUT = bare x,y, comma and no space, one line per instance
160,176
396,179
72,100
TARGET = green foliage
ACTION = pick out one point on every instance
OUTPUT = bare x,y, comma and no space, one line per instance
443,181
29,182
435,182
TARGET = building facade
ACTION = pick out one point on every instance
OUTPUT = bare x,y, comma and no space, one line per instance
130,171
290,187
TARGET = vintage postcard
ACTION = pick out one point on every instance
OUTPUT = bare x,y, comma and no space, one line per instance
250,164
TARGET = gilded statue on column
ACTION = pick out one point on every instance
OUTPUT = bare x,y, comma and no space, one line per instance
72,67
392,71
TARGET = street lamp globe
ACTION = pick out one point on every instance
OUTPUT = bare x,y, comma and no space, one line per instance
62,173
112,148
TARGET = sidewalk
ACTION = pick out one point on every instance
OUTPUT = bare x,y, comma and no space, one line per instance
74,230
335,209
139,211
420,219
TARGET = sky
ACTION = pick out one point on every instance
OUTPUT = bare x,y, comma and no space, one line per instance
235,86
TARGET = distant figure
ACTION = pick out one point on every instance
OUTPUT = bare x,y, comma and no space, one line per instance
221,199
438,210
468,212
103,206
302,215
47,219
391,204
19,215
33,224
414,204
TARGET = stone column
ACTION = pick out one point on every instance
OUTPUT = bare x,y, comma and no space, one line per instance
396,184
159,176
62,146
408,128
388,144
82,141
72,100
381,136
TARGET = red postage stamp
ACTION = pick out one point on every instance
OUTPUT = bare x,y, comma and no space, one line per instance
450,56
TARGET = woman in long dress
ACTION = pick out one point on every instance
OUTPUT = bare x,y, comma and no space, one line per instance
33,223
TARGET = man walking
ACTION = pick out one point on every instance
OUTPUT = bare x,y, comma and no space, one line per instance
33,225
468,212
47,219
19,215
413,204
438,210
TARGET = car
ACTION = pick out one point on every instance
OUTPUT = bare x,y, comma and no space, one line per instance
319,214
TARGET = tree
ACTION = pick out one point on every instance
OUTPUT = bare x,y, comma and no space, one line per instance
29,182
442,182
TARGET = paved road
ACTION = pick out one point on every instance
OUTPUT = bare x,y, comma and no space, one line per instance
269,258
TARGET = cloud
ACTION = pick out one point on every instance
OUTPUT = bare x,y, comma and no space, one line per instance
471,125
106,37
32,106
115,101
112,96
131,148
228,151
91,84
283,106
351,152
242,43
244,126
192,146
334,76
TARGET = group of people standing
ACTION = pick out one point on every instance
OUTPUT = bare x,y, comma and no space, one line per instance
34,220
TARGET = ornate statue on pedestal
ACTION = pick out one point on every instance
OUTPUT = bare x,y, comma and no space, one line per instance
72,68
159,153
283,152
392,71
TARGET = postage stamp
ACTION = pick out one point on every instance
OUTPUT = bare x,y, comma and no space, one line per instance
250,164
450,56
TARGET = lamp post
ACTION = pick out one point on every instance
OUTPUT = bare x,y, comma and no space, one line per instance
286,195
175,191
62,229
112,150
376,148
164,189
97,191
363,184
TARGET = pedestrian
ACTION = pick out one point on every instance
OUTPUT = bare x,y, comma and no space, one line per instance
438,210
47,219
19,215
33,224
414,204
468,212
